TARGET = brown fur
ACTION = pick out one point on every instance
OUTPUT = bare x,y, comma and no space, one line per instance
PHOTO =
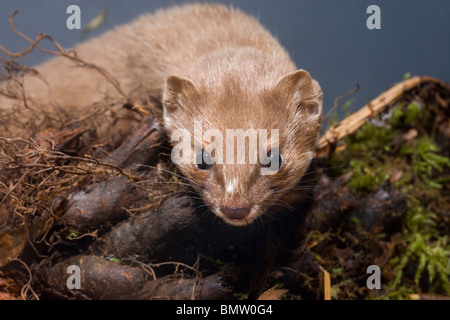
205,63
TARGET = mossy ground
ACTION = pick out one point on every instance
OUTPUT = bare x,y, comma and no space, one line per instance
383,199
398,149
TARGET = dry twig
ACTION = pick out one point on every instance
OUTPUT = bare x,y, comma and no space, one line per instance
357,119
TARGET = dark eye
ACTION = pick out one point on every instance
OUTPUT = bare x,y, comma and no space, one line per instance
271,157
203,161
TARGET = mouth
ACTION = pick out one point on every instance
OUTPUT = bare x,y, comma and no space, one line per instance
236,221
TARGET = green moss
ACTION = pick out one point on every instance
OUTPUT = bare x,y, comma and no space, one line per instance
365,152
337,272
407,116
397,116
116,260
412,113
370,137
425,247
240,296
406,76
400,292
335,293
366,177
421,261
426,159
217,263
72,235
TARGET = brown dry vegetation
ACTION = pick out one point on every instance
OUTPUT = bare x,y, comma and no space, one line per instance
99,191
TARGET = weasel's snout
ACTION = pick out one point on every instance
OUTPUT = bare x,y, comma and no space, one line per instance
237,206
235,213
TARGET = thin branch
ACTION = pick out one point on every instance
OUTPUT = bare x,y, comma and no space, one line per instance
357,119
62,53
336,100
27,286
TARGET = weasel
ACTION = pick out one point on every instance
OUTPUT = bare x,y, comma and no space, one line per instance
210,64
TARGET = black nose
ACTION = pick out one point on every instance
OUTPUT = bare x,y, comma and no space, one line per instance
239,213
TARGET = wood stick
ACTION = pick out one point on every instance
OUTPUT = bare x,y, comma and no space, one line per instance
350,124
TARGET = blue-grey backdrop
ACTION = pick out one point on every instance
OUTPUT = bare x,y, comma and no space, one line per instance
329,38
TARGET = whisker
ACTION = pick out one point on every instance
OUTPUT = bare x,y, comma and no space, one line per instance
285,204
161,169
175,182
274,216
303,188
201,206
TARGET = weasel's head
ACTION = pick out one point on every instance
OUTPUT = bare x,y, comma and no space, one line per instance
242,145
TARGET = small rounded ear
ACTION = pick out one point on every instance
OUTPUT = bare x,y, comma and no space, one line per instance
301,93
176,94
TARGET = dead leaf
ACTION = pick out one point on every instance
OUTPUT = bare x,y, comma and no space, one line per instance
325,283
272,294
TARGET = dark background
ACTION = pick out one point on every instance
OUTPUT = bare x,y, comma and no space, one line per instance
329,38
